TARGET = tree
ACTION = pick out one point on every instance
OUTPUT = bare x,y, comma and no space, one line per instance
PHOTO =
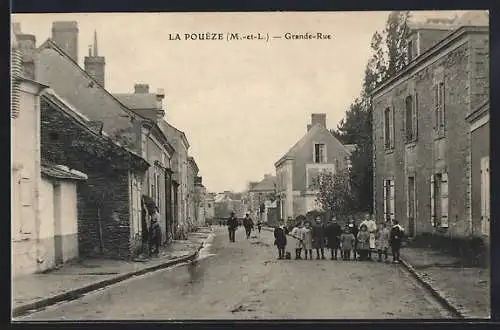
335,193
388,57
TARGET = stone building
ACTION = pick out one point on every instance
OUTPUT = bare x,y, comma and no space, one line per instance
109,201
422,140
154,147
201,196
260,197
298,170
192,196
210,207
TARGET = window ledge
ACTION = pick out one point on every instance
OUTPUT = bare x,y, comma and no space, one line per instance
439,137
389,151
411,143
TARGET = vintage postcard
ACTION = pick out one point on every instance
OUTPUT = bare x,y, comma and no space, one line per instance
250,165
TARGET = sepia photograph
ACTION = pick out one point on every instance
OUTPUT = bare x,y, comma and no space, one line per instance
272,165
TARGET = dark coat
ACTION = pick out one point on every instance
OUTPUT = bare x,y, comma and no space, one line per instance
396,235
280,237
318,235
232,223
248,223
333,232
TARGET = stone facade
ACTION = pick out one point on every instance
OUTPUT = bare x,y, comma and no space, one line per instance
422,139
108,218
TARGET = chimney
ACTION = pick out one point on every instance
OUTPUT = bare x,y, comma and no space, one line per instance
318,119
95,64
65,35
27,44
16,28
141,88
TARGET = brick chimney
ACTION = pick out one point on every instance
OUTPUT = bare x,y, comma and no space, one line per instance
141,88
318,119
65,35
95,64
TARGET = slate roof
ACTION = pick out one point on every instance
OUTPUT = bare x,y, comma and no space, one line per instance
305,139
137,101
62,172
267,184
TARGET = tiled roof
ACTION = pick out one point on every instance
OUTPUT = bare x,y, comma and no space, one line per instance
62,172
137,100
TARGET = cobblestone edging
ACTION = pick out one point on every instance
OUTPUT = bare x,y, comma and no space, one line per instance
441,296
78,292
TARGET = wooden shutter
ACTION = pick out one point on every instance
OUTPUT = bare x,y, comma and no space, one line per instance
385,200
385,120
485,196
392,127
436,106
415,116
433,202
444,200
442,104
391,200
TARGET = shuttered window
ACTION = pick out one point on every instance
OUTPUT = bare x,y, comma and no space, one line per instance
391,200
444,200
389,195
387,128
485,196
439,108
415,116
385,200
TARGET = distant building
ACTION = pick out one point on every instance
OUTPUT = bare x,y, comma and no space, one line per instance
260,197
201,201
426,164
298,170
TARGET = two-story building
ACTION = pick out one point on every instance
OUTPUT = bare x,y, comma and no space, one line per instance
156,149
210,207
423,159
260,196
298,170
180,143
201,196
192,210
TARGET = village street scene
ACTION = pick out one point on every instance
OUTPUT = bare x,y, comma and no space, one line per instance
278,167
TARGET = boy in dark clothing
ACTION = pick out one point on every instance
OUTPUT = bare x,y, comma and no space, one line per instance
318,233
232,224
248,224
347,240
280,239
396,236
333,232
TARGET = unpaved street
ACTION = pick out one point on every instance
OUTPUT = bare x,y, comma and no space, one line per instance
243,280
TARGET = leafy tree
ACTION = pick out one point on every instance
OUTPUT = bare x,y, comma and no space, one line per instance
335,193
388,57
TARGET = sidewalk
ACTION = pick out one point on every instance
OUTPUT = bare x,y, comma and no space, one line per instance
76,278
466,290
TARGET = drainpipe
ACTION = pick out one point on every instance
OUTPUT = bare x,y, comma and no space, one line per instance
38,175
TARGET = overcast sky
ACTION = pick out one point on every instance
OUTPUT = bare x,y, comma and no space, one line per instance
242,104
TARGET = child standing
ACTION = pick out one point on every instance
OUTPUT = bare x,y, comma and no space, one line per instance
382,241
297,234
347,241
363,242
307,239
396,236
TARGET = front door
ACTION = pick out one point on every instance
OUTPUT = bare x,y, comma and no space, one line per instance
58,244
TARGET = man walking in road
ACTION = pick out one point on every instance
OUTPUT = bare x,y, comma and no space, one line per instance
248,224
232,224
318,233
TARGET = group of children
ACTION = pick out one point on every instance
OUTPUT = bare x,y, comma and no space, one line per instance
358,242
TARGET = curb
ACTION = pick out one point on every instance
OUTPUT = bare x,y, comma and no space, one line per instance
439,295
78,292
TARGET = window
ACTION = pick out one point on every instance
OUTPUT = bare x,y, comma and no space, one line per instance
388,129
410,50
337,165
439,109
439,200
409,118
53,136
389,200
209,205
319,153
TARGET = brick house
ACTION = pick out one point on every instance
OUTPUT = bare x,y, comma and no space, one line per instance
480,169
156,149
422,153
109,201
297,171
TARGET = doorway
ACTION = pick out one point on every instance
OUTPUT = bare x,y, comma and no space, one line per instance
58,244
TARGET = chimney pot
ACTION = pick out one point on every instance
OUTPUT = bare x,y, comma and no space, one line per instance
16,28
65,35
141,88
